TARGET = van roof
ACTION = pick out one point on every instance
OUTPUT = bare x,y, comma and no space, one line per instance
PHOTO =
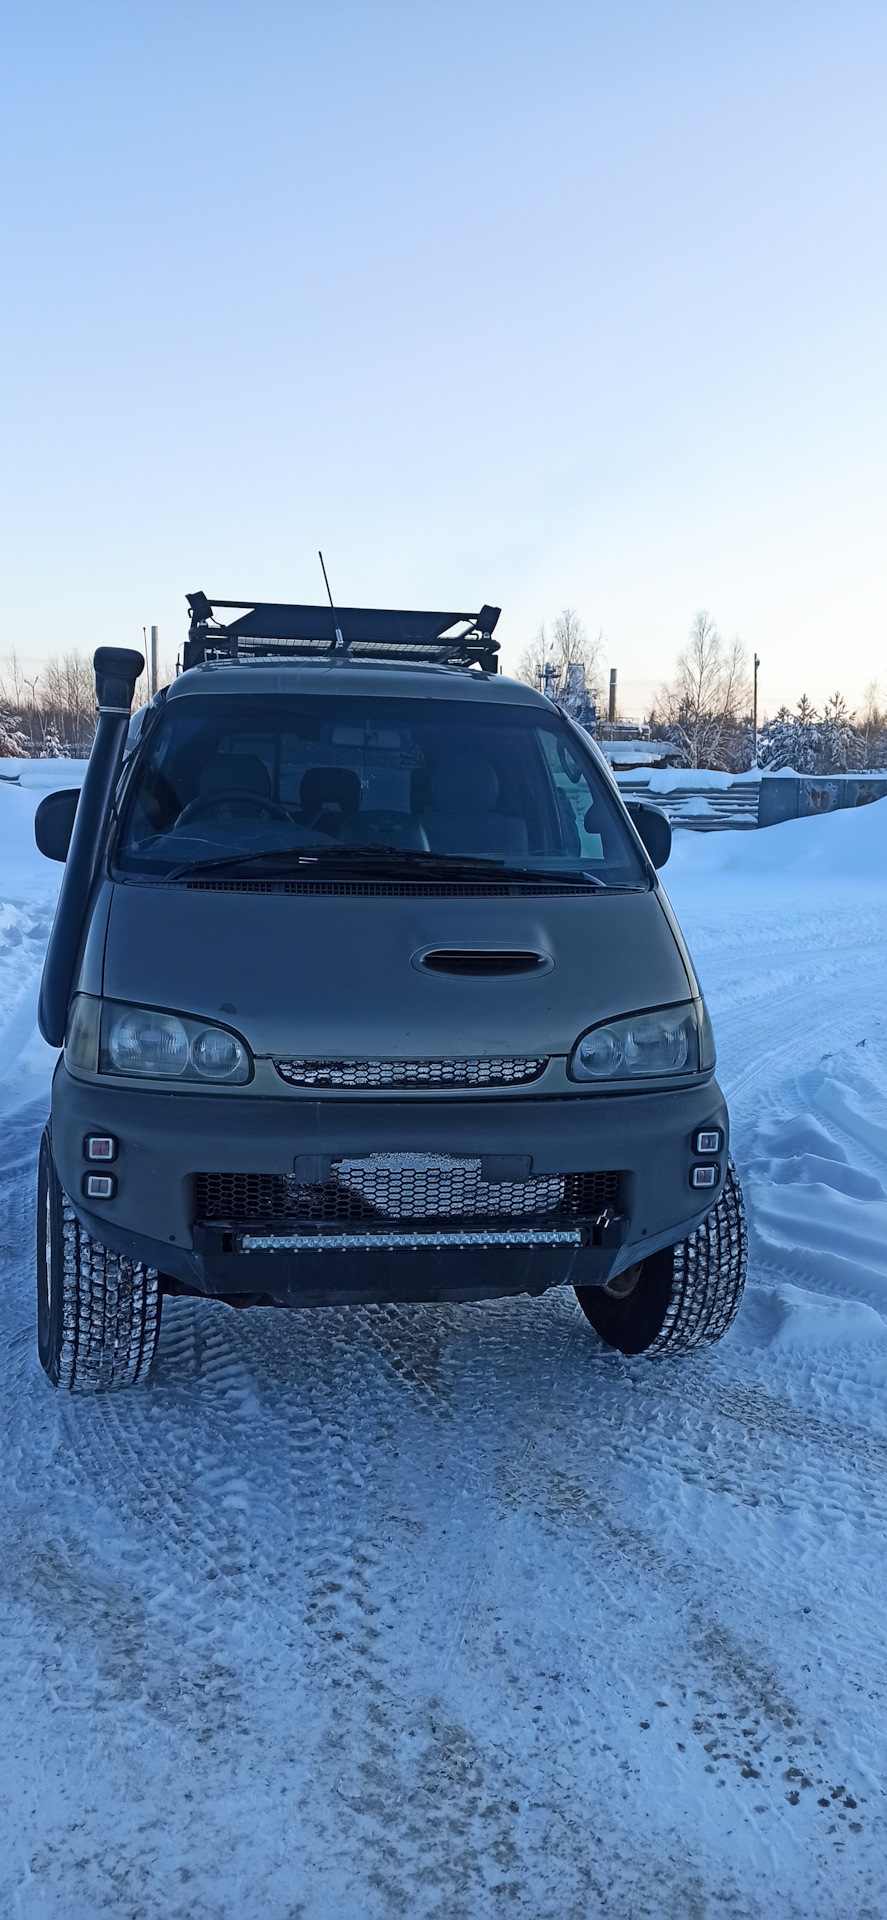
341,674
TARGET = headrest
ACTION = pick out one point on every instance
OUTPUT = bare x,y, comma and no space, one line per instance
236,773
323,787
464,783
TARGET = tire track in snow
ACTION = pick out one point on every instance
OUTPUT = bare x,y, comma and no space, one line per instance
724,1688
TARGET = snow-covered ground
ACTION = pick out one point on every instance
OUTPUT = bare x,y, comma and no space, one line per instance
448,1612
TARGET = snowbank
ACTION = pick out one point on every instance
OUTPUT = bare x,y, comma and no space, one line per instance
788,927
24,873
29,886
666,779
44,775
849,846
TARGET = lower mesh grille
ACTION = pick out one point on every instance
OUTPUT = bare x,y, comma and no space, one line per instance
407,1187
410,1073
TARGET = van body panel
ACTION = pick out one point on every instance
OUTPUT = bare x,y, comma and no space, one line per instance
92,962
166,1138
376,679
331,977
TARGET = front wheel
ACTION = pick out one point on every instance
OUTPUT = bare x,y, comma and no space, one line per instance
683,1297
98,1313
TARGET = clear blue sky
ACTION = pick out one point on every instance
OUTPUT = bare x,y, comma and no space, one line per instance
541,304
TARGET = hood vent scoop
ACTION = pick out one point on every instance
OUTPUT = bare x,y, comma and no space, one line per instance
482,963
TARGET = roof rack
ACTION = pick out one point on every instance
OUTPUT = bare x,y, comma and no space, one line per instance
265,630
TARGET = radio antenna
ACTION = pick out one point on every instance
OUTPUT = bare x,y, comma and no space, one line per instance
336,627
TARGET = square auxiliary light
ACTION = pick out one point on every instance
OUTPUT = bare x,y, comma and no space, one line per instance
703,1176
100,1146
99,1186
709,1141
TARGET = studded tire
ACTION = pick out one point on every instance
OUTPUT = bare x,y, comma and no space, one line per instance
98,1313
684,1297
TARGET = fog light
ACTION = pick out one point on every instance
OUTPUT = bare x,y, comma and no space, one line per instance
99,1186
100,1146
703,1176
708,1142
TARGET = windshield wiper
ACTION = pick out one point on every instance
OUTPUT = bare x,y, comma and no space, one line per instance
221,861
304,862
459,866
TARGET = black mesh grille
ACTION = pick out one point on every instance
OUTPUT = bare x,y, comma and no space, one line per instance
373,1074
392,1188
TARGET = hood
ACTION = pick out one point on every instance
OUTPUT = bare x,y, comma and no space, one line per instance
342,976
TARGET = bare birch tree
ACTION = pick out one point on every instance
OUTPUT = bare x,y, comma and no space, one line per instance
67,685
871,725
701,707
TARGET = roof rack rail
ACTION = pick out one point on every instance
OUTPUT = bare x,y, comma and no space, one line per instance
265,630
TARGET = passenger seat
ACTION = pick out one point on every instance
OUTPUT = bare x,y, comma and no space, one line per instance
463,817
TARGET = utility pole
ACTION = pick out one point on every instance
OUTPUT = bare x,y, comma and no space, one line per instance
611,708
754,757
152,678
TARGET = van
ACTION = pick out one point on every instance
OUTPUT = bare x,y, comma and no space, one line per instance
367,990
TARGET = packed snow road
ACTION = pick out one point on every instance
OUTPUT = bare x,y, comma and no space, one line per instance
448,1611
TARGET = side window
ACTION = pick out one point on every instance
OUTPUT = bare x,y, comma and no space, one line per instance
582,824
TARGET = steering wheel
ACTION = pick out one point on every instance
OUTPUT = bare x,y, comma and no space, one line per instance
207,803
406,831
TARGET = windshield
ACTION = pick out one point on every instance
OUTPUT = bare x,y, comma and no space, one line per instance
289,784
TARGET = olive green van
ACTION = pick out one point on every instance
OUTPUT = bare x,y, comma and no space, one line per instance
367,990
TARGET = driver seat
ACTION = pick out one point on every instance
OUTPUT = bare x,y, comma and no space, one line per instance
236,773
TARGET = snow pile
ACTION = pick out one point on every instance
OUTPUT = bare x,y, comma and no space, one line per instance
789,930
29,886
847,846
43,775
666,779
819,1199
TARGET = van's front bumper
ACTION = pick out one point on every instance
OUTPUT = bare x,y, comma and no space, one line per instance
165,1139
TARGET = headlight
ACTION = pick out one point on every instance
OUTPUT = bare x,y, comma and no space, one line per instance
140,1041
646,1046
149,1044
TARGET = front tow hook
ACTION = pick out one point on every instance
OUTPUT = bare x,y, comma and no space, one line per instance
608,1229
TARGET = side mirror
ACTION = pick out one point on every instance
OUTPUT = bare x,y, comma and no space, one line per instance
54,822
653,827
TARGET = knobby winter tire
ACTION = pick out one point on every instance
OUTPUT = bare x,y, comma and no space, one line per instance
98,1313
684,1297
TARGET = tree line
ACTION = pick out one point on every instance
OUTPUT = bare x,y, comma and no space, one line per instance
52,714
705,711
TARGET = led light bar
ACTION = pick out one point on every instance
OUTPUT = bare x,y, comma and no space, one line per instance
390,1242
